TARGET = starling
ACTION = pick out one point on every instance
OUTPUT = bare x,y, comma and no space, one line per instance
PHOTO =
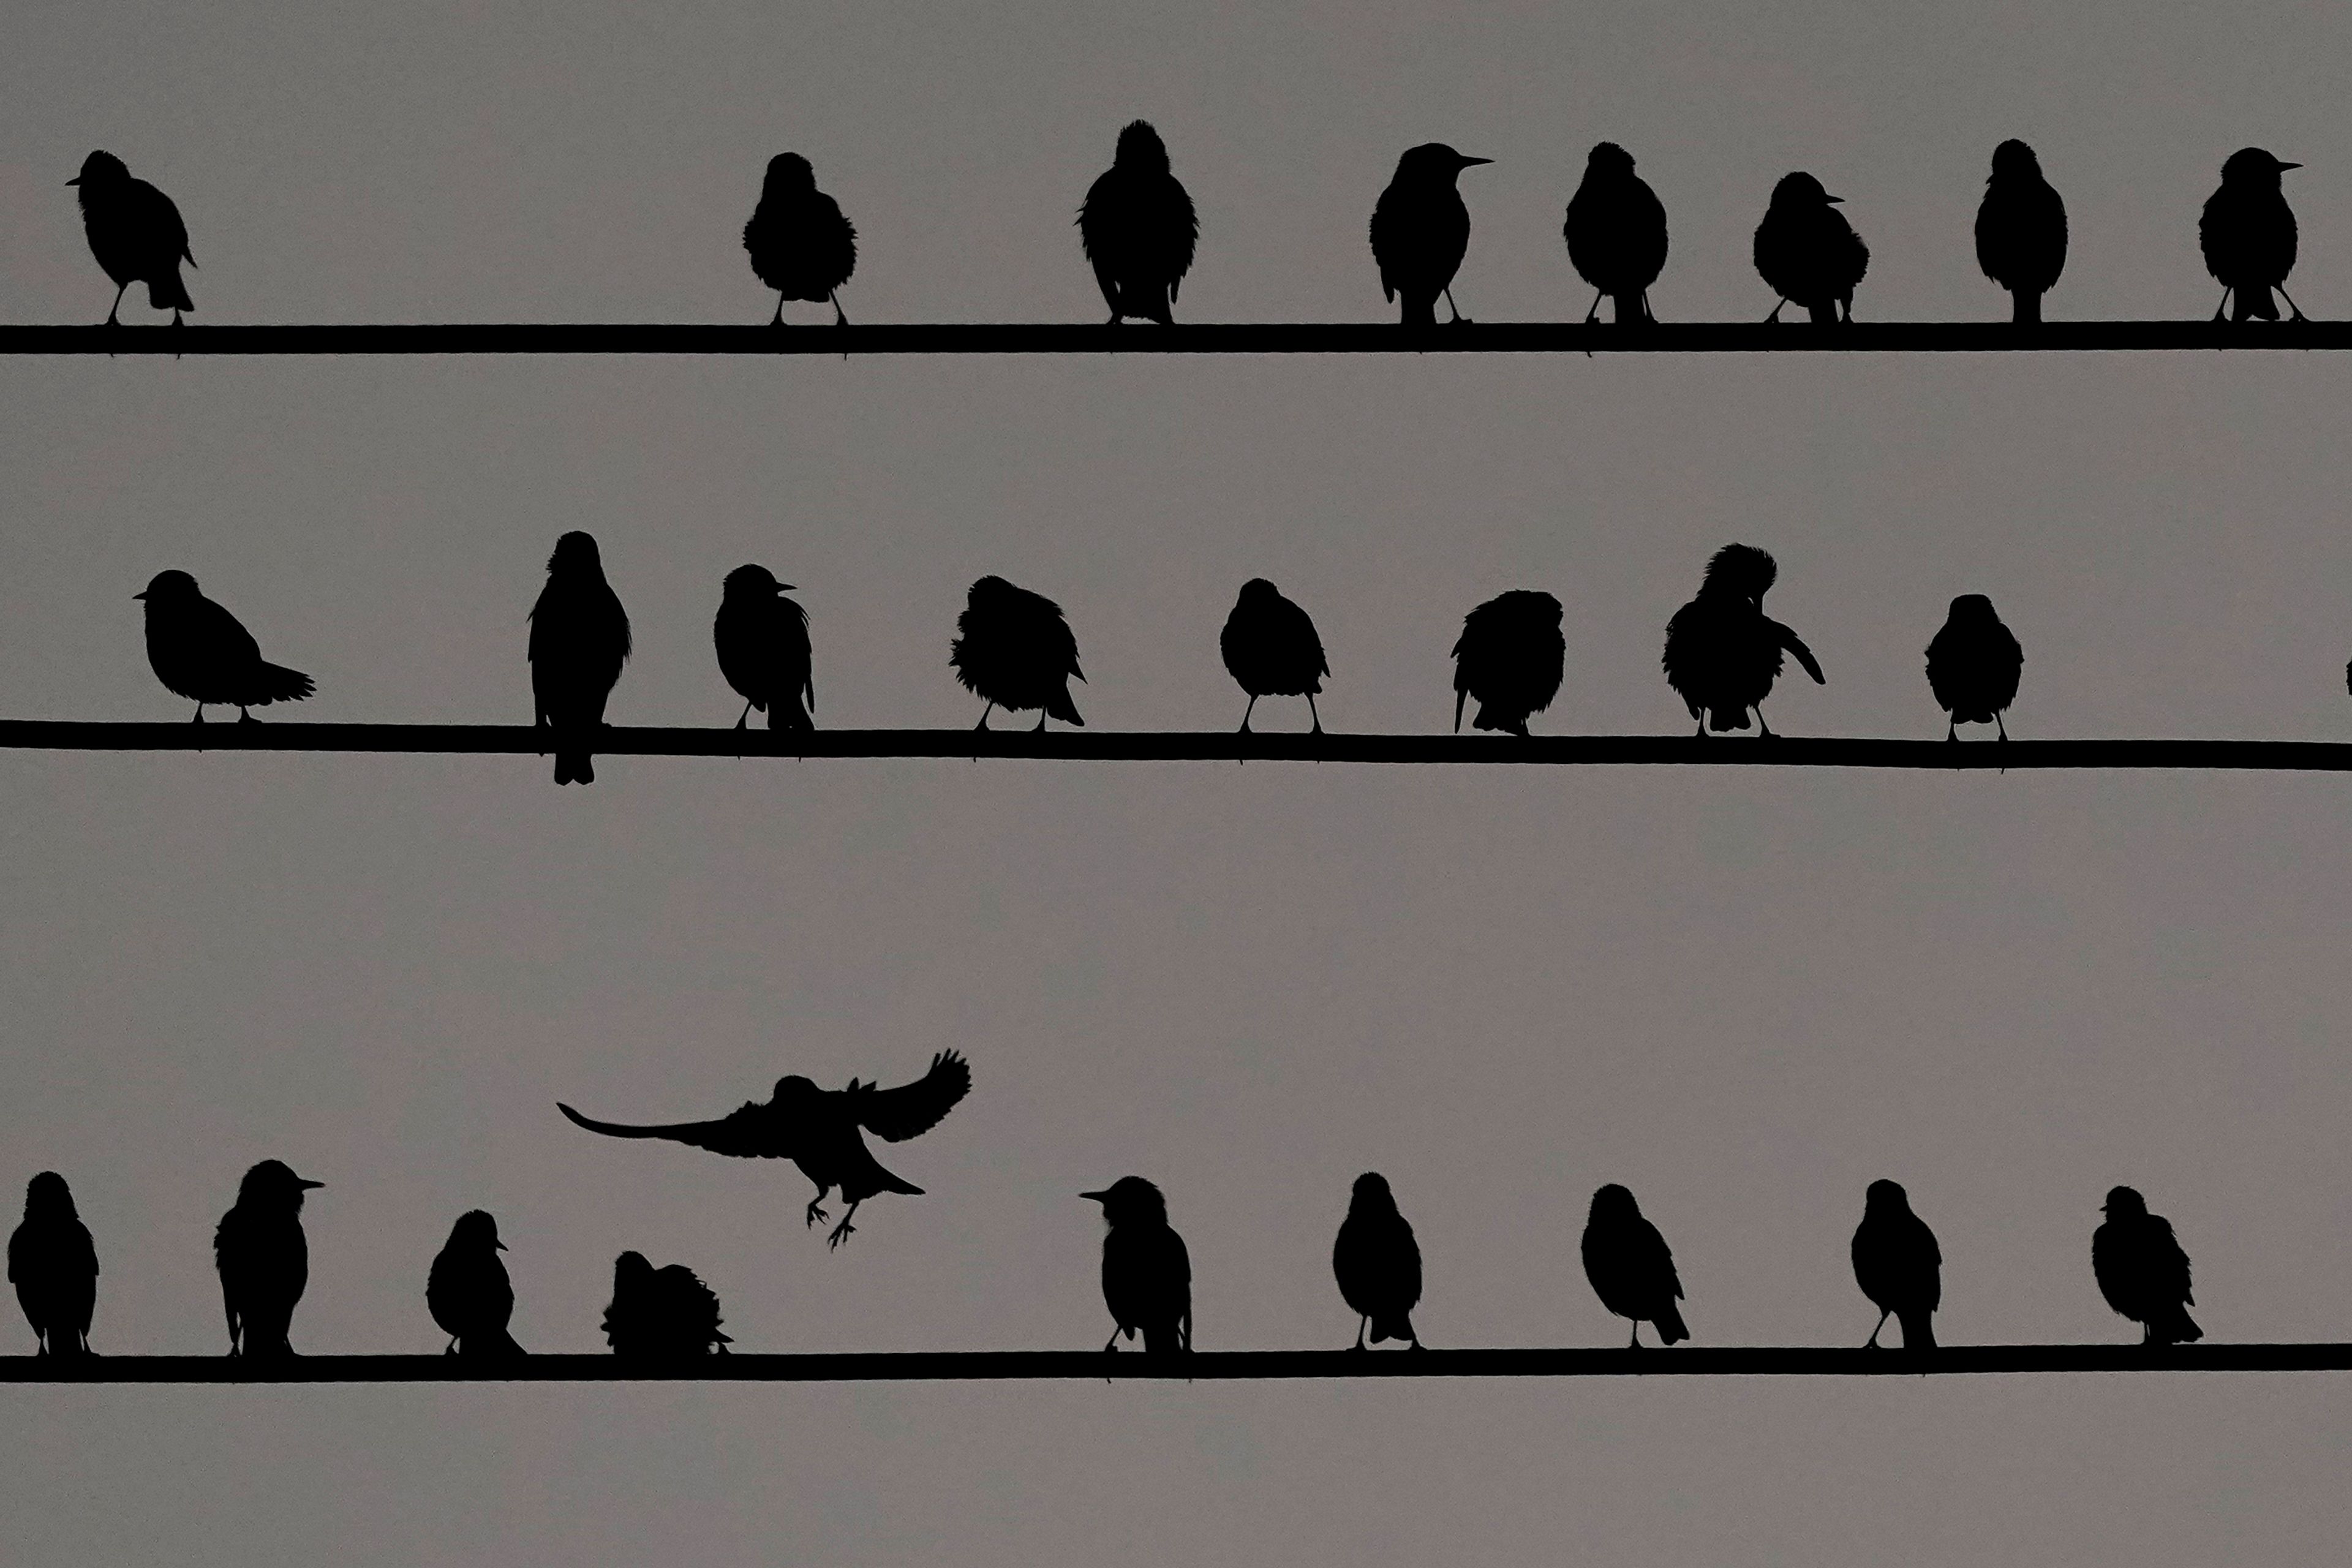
1377,1263
2142,1271
1510,657
2248,236
763,648
661,1314
579,641
468,1290
1147,1275
1616,234
1013,648
1972,666
263,1259
200,651
1631,1267
1271,649
1807,254
1898,1266
817,1129
1421,231
1723,653
799,243
2020,229
1137,227
54,1267
136,235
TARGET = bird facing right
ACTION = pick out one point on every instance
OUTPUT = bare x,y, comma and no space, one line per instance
799,243
200,651
661,1314
1807,252
1421,231
263,1259
54,1265
1147,1274
579,641
1137,227
2142,1271
1013,648
2020,230
1616,234
2248,235
1377,1262
763,648
135,233
1723,653
467,1291
1898,1266
1511,656
1973,664
1271,649
1631,1267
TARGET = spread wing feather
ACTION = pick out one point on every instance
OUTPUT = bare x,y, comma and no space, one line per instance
753,1131
898,1114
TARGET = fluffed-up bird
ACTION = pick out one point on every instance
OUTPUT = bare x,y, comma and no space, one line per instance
467,1291
1631,1267
1013,648
799,243
263,1259
1511,656
2142,1271
1898,1266
1421,231
2020,230
200,651
1616,234
1973,664
579,641
662,1314
763,648
1271,649
54,1265
1377,1262
1723,652
1137,227
818,1130
1807,252
1147,1275
2248,235
135,233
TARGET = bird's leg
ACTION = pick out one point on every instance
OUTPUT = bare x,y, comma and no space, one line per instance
1952,729
780,310
1773,320
1999,726
1763,731
983,716
1647,314
1459,318
842,1231
1589,315
245,718
1637,1335
1110,1345
453,1346
1362,1322
745,722
1246,713
816,1210
200,714
1700,733
840,316
1872,1343
1041,722
2223,306
114,312
2290,305
1312,714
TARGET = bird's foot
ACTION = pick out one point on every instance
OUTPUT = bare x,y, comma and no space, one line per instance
245,718
200,715
816,1213
841,1232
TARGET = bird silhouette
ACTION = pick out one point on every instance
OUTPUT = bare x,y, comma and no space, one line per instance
1807,253
54,1265
1376,1261
1137,227
2248,235
1723,653
200,651
1147,1275
1898,1266
1271,649
1630,1266
661,1314
1014,649
2142,1271
579,641
763,648
263,1259
135,233
1510,657
817,1129
1421,231
2020,229
1616,234
799,243
1973,664
468,1290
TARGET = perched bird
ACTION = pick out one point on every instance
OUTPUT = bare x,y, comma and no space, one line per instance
1807,254
54,1265
1376,1261
1421,231
1898,1266
1510,657
1271,649
1012,648
799,243
2020,229
1137,227
468,1290
263,1259
2248,236
136,235
1631,1267
1616,234
817,1129
2142,1271
200,651
1723,653
763,648
1147,1275
661,1314
579,641
1973,664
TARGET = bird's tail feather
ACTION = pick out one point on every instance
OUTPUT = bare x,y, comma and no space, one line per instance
172,294
1397,1328
2029,307
275,683
574,767
1670,1325
2179,1328
1060,706
1419,312
1726,718
1918,1330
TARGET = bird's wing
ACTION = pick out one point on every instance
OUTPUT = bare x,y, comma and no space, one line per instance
754,1131
894,1115
1796,645
2168,1261
164,214
1661,1257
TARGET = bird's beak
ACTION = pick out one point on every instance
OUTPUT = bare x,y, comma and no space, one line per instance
499,1245
1466,162
306,1183
1834,201
140,594
1096,1196
75,181
2283,167
783,587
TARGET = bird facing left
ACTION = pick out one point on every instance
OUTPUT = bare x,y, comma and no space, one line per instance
200,651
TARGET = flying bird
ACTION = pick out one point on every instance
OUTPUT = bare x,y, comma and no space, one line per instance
1616,234
2020,230
799,243
1147,1275
661,1314
2142,1271
579,641
54,1265
135,233
263,1259
1898,1266
1271,649
1723,652
2248,235
763,648
818,1130
200,651
1631,1267
1510,657
1421,231
1807,253
1377,1263
1973,664
468,1290
1137,227
1014,649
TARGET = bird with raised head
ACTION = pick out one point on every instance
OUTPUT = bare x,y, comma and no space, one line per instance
799,243
1138,228
1973,664
579,641
1807,252
1421,231
1271,649
263,1259
1723,653
1377,1262
2020,230
1898,1266
1511,656
53,1264
1630,1266
2142,1271
200,651
1147,1274
762,641
1616,234
135,233
2248,236
661,1314
467,1291
1015,649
